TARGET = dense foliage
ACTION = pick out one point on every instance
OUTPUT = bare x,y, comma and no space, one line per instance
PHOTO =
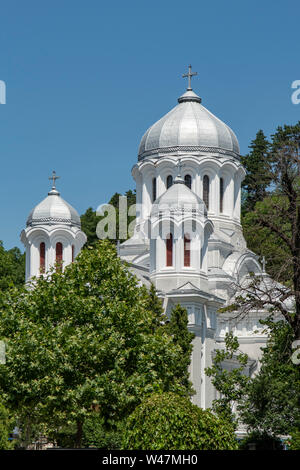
90,219
261,441
80,339
12,268
257,166
170,422
177,327
6,428
272,224
230,383
271,400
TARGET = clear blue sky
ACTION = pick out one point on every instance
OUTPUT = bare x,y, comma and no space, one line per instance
86,79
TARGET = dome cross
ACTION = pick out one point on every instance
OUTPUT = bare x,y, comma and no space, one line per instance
53,178
189,75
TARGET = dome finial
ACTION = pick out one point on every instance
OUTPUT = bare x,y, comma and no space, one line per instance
189,75
53,178
179,178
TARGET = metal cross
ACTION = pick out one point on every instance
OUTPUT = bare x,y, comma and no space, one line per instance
53,178
189,75
263,264
179,167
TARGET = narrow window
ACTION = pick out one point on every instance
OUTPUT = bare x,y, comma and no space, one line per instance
188,181
42,257
187,250
73,253
169,250
153,189
206,191
169,181
221,194
59,252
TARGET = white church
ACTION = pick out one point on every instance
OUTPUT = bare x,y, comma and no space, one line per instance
188,239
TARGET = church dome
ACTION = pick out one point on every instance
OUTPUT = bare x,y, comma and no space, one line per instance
179,198
188,128
54,210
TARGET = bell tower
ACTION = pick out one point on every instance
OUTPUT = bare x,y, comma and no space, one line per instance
53,235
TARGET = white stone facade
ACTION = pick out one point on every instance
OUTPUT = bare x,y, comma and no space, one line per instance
189,140
51,223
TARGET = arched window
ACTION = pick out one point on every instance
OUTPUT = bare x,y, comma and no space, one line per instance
58,257
221,194
206,191
42,257
73,253
187,250
153,189
169,250
188,181
169,181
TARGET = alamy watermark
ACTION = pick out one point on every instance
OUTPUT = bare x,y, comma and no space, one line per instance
2,92
296,94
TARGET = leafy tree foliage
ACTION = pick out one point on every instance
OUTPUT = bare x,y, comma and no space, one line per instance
257,165
262,441
230,384
273,229
154,305
265,242
170,422
178,329
80,339
270,404
12,268
6,427
90,219
294,442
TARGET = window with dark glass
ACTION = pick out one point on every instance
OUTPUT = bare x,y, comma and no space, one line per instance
206,191
221,194
42,257
169,250
187,250
169,181
58,258
153,189
73,253
188,181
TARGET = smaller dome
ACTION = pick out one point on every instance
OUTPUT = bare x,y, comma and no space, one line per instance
53,210
179,198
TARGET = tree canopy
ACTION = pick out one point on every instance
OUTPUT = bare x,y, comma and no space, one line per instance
171,422
90,219
12,267
83,339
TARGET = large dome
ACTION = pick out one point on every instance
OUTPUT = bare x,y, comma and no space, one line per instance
188,128
178,198
53,210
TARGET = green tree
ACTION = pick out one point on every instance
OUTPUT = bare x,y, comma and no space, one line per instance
154,305
280,217
229,382
90,219
178,329
80,339
6,427
12,268
169,422
265,242
257,166
270,404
